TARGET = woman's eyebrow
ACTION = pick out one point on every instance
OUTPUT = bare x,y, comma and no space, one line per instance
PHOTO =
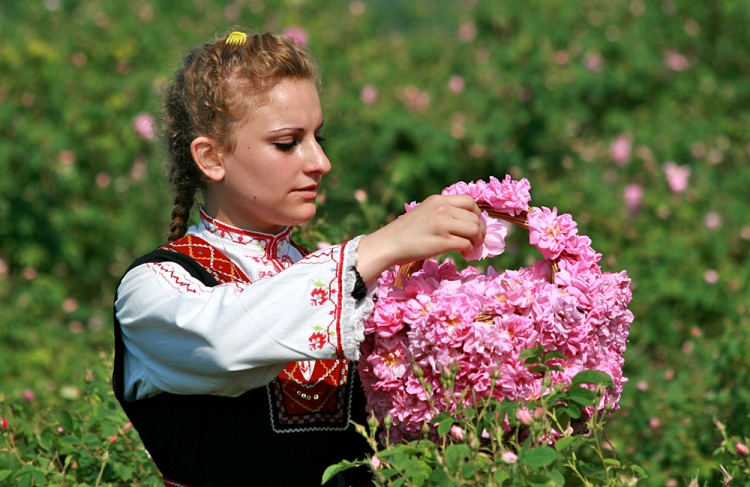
294,129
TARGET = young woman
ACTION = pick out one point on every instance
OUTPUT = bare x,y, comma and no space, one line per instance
234,345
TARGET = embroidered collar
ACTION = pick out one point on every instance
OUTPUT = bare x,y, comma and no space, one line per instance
270,245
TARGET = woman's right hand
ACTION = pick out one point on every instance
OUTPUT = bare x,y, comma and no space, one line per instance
439,224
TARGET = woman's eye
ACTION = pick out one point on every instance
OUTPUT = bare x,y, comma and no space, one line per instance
320,140
285,146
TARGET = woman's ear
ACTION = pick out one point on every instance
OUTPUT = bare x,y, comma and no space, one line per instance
208,158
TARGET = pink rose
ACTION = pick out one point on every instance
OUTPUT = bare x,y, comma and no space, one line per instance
619,151
457,433
524,416
494,240
549,232
509,457
633,197
368,95
298,35
143,123
677,176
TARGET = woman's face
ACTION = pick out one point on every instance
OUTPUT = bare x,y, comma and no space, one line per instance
271,179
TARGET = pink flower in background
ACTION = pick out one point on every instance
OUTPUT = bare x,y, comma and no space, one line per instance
561,57
70,305
103,180
368,95
467,32
524,416
677,176
712,220
509,457
741,448
67,157
360,195
676,61
29,396
633,196
416,99
456,84
593,61
144,124
298,35
139,168
620,150
711,276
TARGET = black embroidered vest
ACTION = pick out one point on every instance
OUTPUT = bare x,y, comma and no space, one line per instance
283,435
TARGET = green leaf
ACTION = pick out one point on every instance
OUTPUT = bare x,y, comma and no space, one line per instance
553,354
557,478
455,454
538,480
584,397
592,377
70,441
500,476
4,474
334,470
445,426
612,461
468,471
533,352
438,478
91,440
563,443
538,457
639,471
573,411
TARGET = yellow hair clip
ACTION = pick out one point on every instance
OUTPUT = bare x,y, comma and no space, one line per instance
236,39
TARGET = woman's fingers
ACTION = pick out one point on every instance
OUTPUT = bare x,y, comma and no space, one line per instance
437,225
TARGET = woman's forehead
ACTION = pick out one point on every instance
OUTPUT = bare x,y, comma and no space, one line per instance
291,102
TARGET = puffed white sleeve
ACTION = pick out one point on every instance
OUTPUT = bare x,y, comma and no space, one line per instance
184,337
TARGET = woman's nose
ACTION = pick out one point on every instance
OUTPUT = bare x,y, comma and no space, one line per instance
318,161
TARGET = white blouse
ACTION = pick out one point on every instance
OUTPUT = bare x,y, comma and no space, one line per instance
186,338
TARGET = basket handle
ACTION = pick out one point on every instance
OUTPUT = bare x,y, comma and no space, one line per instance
521,220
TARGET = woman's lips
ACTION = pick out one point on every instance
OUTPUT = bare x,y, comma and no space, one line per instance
308,192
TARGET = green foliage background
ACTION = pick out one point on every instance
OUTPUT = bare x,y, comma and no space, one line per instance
540,89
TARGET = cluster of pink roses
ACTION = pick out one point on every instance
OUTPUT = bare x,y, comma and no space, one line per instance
475,325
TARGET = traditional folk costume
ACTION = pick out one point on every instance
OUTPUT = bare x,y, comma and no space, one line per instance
234,365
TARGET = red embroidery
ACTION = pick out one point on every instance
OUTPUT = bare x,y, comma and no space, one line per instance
209,257
317,340
312,395
318,296
306,395
175,280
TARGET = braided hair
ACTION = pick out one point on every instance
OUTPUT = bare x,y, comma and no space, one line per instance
218,87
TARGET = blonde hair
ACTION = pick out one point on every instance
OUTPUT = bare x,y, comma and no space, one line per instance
219,85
